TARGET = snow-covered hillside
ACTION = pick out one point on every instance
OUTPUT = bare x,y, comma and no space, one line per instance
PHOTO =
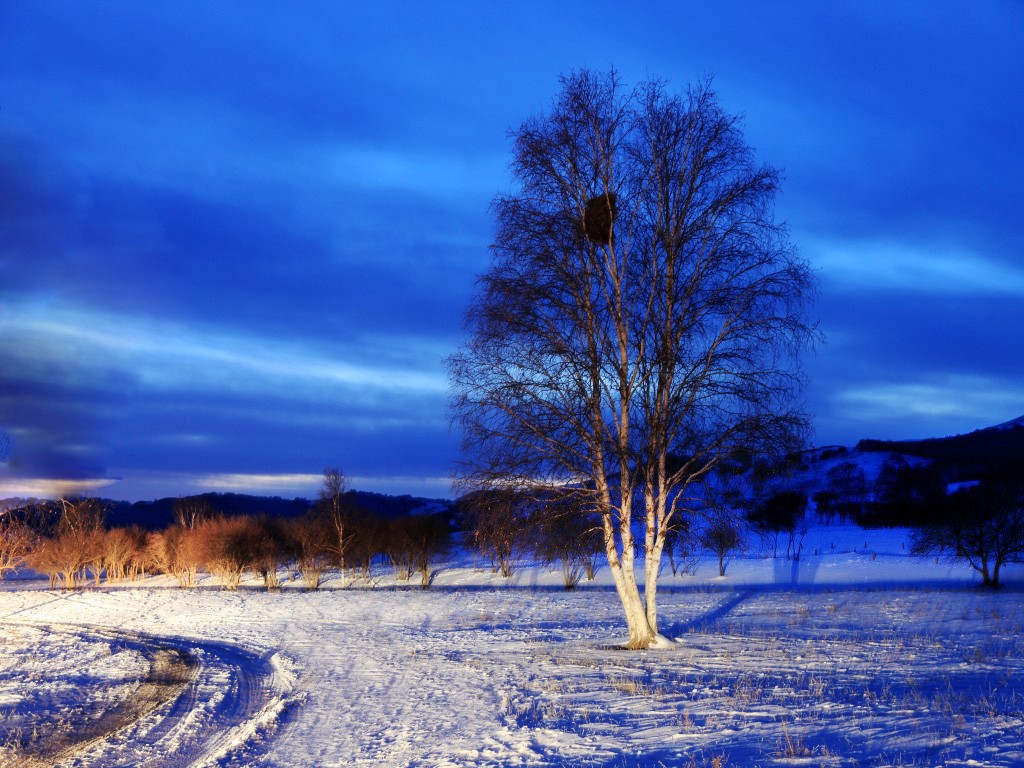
862,655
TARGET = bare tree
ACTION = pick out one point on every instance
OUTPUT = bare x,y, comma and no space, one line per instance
595,355
338,514
722,536
191,511
782,512
982,525
16,543
73,545
681,546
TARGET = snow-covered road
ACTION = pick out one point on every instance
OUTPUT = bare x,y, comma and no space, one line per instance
110,696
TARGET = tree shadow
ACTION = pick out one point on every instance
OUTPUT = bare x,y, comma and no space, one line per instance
720,611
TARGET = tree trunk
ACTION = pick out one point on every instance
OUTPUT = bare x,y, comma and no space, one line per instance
641,634
652,566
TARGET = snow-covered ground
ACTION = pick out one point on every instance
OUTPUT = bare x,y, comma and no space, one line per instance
861,656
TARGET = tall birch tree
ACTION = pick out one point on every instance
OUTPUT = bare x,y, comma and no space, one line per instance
641,320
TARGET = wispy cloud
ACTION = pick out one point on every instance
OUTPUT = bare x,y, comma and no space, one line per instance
257,483
167,356
425,173
881,265
51,488
977,399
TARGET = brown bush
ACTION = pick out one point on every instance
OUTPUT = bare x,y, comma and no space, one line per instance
230,547
75,546
177,551
118,547
270,545
16,542
311,538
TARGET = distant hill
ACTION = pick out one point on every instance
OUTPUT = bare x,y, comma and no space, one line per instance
997,447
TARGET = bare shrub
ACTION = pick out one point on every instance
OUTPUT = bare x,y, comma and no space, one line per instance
73,546
312,536
229,548
566,535
66,559
414,542
270,549
118,547
177,551
138,561
368,539
496,521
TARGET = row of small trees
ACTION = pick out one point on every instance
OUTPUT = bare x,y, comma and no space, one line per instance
504,527
69,542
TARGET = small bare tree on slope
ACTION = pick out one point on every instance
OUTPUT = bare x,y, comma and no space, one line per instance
641,303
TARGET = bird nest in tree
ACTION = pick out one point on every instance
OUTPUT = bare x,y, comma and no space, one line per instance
598,217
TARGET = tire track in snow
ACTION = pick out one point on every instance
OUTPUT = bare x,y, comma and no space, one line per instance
200,704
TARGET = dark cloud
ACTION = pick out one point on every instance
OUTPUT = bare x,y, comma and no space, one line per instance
225,233
37,216
58,429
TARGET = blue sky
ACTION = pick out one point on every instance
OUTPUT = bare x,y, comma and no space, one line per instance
237,239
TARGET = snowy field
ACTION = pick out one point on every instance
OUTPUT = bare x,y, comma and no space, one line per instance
862,656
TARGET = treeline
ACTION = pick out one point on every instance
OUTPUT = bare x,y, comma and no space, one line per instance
70,542
73,544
